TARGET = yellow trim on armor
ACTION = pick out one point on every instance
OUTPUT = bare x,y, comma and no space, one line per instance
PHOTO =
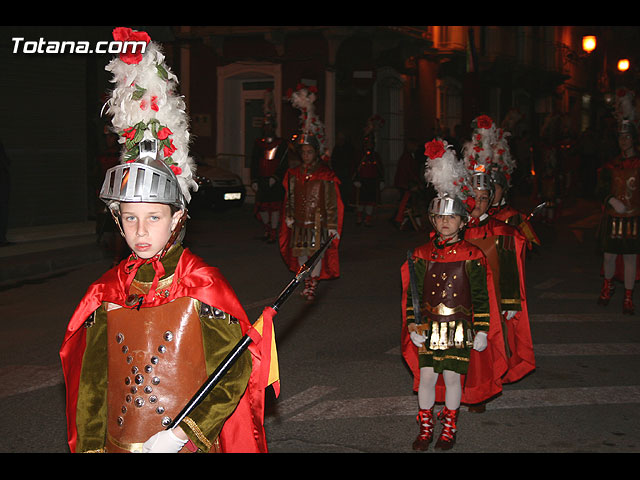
476,315
510,300
130,447
198,433
443,310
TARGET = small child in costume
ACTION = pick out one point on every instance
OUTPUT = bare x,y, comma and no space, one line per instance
450,313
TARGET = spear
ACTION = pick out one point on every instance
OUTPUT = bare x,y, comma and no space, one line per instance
246,340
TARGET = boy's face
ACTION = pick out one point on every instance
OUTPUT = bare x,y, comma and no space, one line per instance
308,154
147,226
448,225
482,202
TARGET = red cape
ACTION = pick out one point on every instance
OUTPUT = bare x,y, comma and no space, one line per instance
483,378
244,429
522,360
330,260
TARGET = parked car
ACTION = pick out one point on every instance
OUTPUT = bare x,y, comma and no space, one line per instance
218,188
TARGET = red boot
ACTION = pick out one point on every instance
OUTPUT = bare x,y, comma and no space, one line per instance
608,288
627,304
424,438
448,435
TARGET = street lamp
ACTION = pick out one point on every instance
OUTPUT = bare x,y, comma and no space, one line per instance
589,43
623,65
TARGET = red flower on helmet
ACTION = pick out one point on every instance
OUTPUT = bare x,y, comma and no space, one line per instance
484,121
168,150
124,34
163,133
434,149
175,169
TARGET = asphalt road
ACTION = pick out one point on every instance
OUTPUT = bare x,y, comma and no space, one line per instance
344,386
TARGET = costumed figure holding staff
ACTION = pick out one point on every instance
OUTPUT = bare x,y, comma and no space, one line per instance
369,175
618,235
504,246
147,334
451,333
313,208
502,166
269,162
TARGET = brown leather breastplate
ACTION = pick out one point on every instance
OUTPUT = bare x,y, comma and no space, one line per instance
446,293
308,202
624,186
156,363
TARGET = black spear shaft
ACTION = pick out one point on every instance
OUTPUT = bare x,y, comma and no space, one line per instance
246,340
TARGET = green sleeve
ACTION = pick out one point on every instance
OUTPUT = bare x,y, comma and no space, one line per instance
509,276
220,334
91,415
479,295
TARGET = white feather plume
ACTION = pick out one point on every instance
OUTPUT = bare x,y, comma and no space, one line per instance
447,173
146,92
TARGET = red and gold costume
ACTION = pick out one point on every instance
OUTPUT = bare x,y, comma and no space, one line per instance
269,162
312,200
458,278
142,367
509,215
504,248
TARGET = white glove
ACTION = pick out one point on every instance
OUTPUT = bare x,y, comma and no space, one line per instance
381,185
272,181
418,339
289,222
333,231
617,205
254,186
509,314
480,342
164,441
357,184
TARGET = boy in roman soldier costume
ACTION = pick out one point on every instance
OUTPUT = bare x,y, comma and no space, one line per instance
268,165
313,208
618,235
504,247
147,334
369,175
502,167
451,335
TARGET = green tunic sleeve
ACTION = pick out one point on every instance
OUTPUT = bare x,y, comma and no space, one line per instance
509,275
91,414
220,333
479,295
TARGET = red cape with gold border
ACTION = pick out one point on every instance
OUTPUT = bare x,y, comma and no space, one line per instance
330,261
522,360
483,378
243,431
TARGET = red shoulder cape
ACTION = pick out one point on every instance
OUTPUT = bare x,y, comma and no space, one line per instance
331,260
483,378
522,360
244,429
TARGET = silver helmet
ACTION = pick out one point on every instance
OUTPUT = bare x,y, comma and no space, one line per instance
147,179
447,205
483,181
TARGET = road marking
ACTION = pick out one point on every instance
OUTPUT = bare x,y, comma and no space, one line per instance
580,317
568,296
571,349
552,282
300,400
510,399
17,379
